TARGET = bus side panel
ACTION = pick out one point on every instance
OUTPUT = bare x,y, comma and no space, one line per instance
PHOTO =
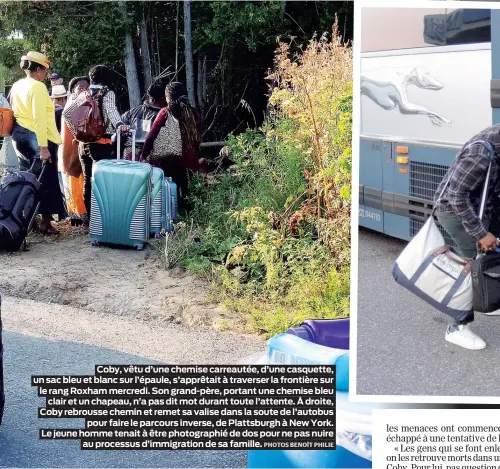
396,182
426,167
397,226
373,153
410,179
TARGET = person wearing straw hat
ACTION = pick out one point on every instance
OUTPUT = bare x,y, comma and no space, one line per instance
60,96
35,136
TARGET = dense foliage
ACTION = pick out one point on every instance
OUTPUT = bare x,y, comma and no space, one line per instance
233,45
272,231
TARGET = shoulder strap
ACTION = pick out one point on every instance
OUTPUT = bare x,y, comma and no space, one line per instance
99,96
489,146
484,194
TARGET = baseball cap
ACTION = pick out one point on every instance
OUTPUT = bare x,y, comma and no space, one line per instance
55,76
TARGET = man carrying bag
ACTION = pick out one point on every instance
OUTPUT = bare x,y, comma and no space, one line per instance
457,212
464,205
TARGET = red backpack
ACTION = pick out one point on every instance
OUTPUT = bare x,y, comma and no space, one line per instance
85,118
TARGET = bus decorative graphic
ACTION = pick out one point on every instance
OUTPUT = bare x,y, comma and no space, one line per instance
388,89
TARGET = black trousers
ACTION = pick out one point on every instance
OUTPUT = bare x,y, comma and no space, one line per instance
171,167
90,153
28,152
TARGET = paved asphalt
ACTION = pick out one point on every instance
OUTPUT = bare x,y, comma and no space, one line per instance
19,443
401,348
51,339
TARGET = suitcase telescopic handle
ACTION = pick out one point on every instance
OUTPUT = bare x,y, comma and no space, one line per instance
118,140
41,172
132,132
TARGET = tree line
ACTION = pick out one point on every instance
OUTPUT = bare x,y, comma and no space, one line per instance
222,50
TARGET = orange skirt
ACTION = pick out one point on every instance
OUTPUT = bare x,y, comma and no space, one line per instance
73,191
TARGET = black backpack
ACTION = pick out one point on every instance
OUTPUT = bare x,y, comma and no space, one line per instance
20,194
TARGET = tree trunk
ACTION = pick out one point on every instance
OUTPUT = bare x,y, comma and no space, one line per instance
177,40
204,83
134,91
158,48
202,67
145,55
345,28
152,50
188,53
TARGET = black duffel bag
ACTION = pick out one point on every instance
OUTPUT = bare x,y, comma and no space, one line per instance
20,196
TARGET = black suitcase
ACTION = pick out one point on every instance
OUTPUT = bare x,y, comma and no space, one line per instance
485,268
2,391
20,195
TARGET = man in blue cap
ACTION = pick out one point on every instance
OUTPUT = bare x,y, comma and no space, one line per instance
55,79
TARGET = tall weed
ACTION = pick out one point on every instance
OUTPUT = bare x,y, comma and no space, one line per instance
272,231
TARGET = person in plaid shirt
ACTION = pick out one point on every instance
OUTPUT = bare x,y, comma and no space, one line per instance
100,76
457,211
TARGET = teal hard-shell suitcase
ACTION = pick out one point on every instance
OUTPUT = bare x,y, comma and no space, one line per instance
170,204
121,202
157,203
174,200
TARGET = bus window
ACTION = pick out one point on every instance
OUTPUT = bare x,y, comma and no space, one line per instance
401,28
467,26
387,29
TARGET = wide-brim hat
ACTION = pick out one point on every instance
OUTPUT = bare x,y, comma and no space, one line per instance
59,91
37,57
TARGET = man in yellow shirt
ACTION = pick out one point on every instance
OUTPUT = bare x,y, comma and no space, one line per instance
35,136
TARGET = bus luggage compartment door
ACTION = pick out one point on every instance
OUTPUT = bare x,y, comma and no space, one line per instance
372,155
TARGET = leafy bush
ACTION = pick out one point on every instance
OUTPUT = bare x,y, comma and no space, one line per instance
272,231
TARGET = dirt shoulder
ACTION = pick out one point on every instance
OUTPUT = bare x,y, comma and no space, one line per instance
67,270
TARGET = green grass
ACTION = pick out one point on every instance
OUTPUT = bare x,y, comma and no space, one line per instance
237,238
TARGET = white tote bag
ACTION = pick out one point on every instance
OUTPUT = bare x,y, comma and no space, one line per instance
434,271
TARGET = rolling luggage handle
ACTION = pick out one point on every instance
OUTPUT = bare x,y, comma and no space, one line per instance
41,172
118,139
30,170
